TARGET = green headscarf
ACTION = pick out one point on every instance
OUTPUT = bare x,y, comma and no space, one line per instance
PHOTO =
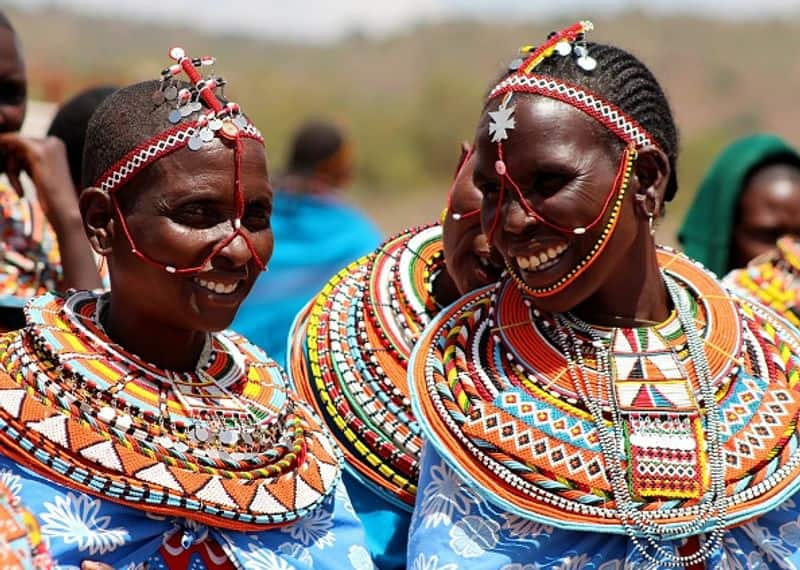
706,232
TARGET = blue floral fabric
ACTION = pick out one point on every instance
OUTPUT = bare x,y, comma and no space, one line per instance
79,527
454,528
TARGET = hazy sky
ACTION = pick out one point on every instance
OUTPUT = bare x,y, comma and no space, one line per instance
324,20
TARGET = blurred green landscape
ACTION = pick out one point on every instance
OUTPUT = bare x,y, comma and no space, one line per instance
411,98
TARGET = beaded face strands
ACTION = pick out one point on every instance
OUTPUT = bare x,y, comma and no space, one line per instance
502,122
222,121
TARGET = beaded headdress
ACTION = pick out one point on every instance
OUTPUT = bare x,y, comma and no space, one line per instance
523,79
200,116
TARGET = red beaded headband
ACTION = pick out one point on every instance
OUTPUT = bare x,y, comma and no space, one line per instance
222,120
563,43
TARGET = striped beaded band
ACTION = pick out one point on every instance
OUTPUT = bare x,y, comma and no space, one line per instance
155,148
604,112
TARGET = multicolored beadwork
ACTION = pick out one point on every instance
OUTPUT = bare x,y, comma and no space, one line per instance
30,263
349,355
496,393
773,280
227,444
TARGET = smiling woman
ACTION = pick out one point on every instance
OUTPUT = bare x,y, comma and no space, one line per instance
139,433
609,403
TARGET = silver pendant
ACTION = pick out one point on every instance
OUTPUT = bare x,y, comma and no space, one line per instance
240,121
174,116
206,134
185,110
195,142
170,93
215,124
563,48
201,434
229,437
196,106
515,64
587,63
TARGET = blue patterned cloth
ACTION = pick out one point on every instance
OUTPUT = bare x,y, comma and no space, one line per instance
79,527
454,528
315,236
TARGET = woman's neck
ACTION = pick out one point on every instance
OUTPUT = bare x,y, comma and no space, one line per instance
630,298
166,347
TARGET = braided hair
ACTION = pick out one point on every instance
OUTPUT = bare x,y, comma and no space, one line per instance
623,80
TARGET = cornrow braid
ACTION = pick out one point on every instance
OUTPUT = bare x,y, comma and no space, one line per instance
623,80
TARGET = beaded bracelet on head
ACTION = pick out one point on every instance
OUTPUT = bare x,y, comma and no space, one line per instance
221,120
567,42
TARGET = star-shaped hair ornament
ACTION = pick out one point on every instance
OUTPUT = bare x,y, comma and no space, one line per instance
502,120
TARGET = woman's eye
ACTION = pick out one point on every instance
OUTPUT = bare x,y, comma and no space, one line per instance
256,218
198,215
549,183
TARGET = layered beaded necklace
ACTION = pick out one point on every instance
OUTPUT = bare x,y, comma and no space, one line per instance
660,433
226,443
350,357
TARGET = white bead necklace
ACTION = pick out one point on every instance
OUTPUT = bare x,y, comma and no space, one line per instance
637,523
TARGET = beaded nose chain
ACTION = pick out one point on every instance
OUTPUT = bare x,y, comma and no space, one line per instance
223,121
569,41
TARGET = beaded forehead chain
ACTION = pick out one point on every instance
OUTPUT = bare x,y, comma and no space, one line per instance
569,41
221,120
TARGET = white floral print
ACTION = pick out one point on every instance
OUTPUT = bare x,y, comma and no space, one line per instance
313,530
299,553
472,536
445,495
422,562
343,499
73,519
259,558
359,558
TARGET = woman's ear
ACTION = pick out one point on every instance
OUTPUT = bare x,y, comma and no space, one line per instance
97,211
652,171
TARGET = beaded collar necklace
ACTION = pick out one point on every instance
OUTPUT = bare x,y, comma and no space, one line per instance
773,280
226,444
550,418
353,356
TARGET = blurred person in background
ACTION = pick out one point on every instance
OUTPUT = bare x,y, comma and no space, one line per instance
43,244
749,198
70,122
317,233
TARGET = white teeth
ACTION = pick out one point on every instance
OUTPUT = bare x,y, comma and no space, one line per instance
219,288
543,258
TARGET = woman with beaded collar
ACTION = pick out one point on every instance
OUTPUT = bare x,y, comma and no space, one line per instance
609,404
349,352
137,433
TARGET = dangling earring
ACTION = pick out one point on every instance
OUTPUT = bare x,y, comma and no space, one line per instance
650,215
